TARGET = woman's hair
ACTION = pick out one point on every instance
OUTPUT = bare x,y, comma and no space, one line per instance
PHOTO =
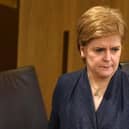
99,21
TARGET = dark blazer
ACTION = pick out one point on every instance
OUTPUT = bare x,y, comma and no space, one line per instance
73,107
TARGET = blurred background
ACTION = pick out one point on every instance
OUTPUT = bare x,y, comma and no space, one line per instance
42,33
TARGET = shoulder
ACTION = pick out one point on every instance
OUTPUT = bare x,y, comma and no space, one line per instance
66,83
123,79
124,82
64,88
71,77
124,74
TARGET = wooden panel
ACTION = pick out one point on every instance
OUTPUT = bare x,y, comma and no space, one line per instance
10,3
8,37
41,41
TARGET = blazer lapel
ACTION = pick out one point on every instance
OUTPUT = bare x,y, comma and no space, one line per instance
111,106
86,99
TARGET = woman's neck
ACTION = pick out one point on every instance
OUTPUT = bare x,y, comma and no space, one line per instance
98,85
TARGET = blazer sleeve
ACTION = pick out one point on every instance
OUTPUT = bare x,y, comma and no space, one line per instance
62,92
54,117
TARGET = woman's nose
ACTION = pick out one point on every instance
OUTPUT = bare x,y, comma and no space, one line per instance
107,55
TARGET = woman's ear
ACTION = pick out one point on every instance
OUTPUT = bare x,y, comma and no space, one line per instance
82,52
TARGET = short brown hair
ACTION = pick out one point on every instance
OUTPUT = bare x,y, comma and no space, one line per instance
99,21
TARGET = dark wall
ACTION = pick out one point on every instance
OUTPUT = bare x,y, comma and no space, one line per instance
8,37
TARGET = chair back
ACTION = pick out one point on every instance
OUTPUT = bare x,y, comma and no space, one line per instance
21,103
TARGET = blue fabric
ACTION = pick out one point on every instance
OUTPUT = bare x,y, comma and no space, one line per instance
73,107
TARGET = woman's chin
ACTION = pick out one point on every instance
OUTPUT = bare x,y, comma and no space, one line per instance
106,74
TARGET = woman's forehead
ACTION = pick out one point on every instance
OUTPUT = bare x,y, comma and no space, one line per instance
113,39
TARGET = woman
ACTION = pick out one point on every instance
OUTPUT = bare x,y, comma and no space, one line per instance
96,97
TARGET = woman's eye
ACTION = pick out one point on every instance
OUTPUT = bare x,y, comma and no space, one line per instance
115,49
99,49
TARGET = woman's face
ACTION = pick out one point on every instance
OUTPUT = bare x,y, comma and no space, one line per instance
102,56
